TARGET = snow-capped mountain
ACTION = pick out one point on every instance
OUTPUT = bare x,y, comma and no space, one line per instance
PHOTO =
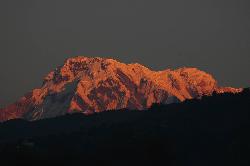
90,85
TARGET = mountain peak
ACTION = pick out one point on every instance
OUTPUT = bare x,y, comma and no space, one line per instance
94,84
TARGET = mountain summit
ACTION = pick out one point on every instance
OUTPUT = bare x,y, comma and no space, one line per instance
91,85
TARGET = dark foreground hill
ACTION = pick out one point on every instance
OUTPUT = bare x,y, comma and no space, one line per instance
211,131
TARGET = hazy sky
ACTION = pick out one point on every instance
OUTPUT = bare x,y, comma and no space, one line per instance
37,35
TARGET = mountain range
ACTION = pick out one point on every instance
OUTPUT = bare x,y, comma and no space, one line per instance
88,85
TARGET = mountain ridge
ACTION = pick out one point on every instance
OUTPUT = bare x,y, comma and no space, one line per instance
88,85
214,129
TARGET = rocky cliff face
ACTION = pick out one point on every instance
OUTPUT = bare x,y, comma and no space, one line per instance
90,85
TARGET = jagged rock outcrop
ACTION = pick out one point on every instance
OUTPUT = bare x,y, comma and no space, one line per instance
96,84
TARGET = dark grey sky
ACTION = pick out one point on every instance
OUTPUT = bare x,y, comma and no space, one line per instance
37,35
